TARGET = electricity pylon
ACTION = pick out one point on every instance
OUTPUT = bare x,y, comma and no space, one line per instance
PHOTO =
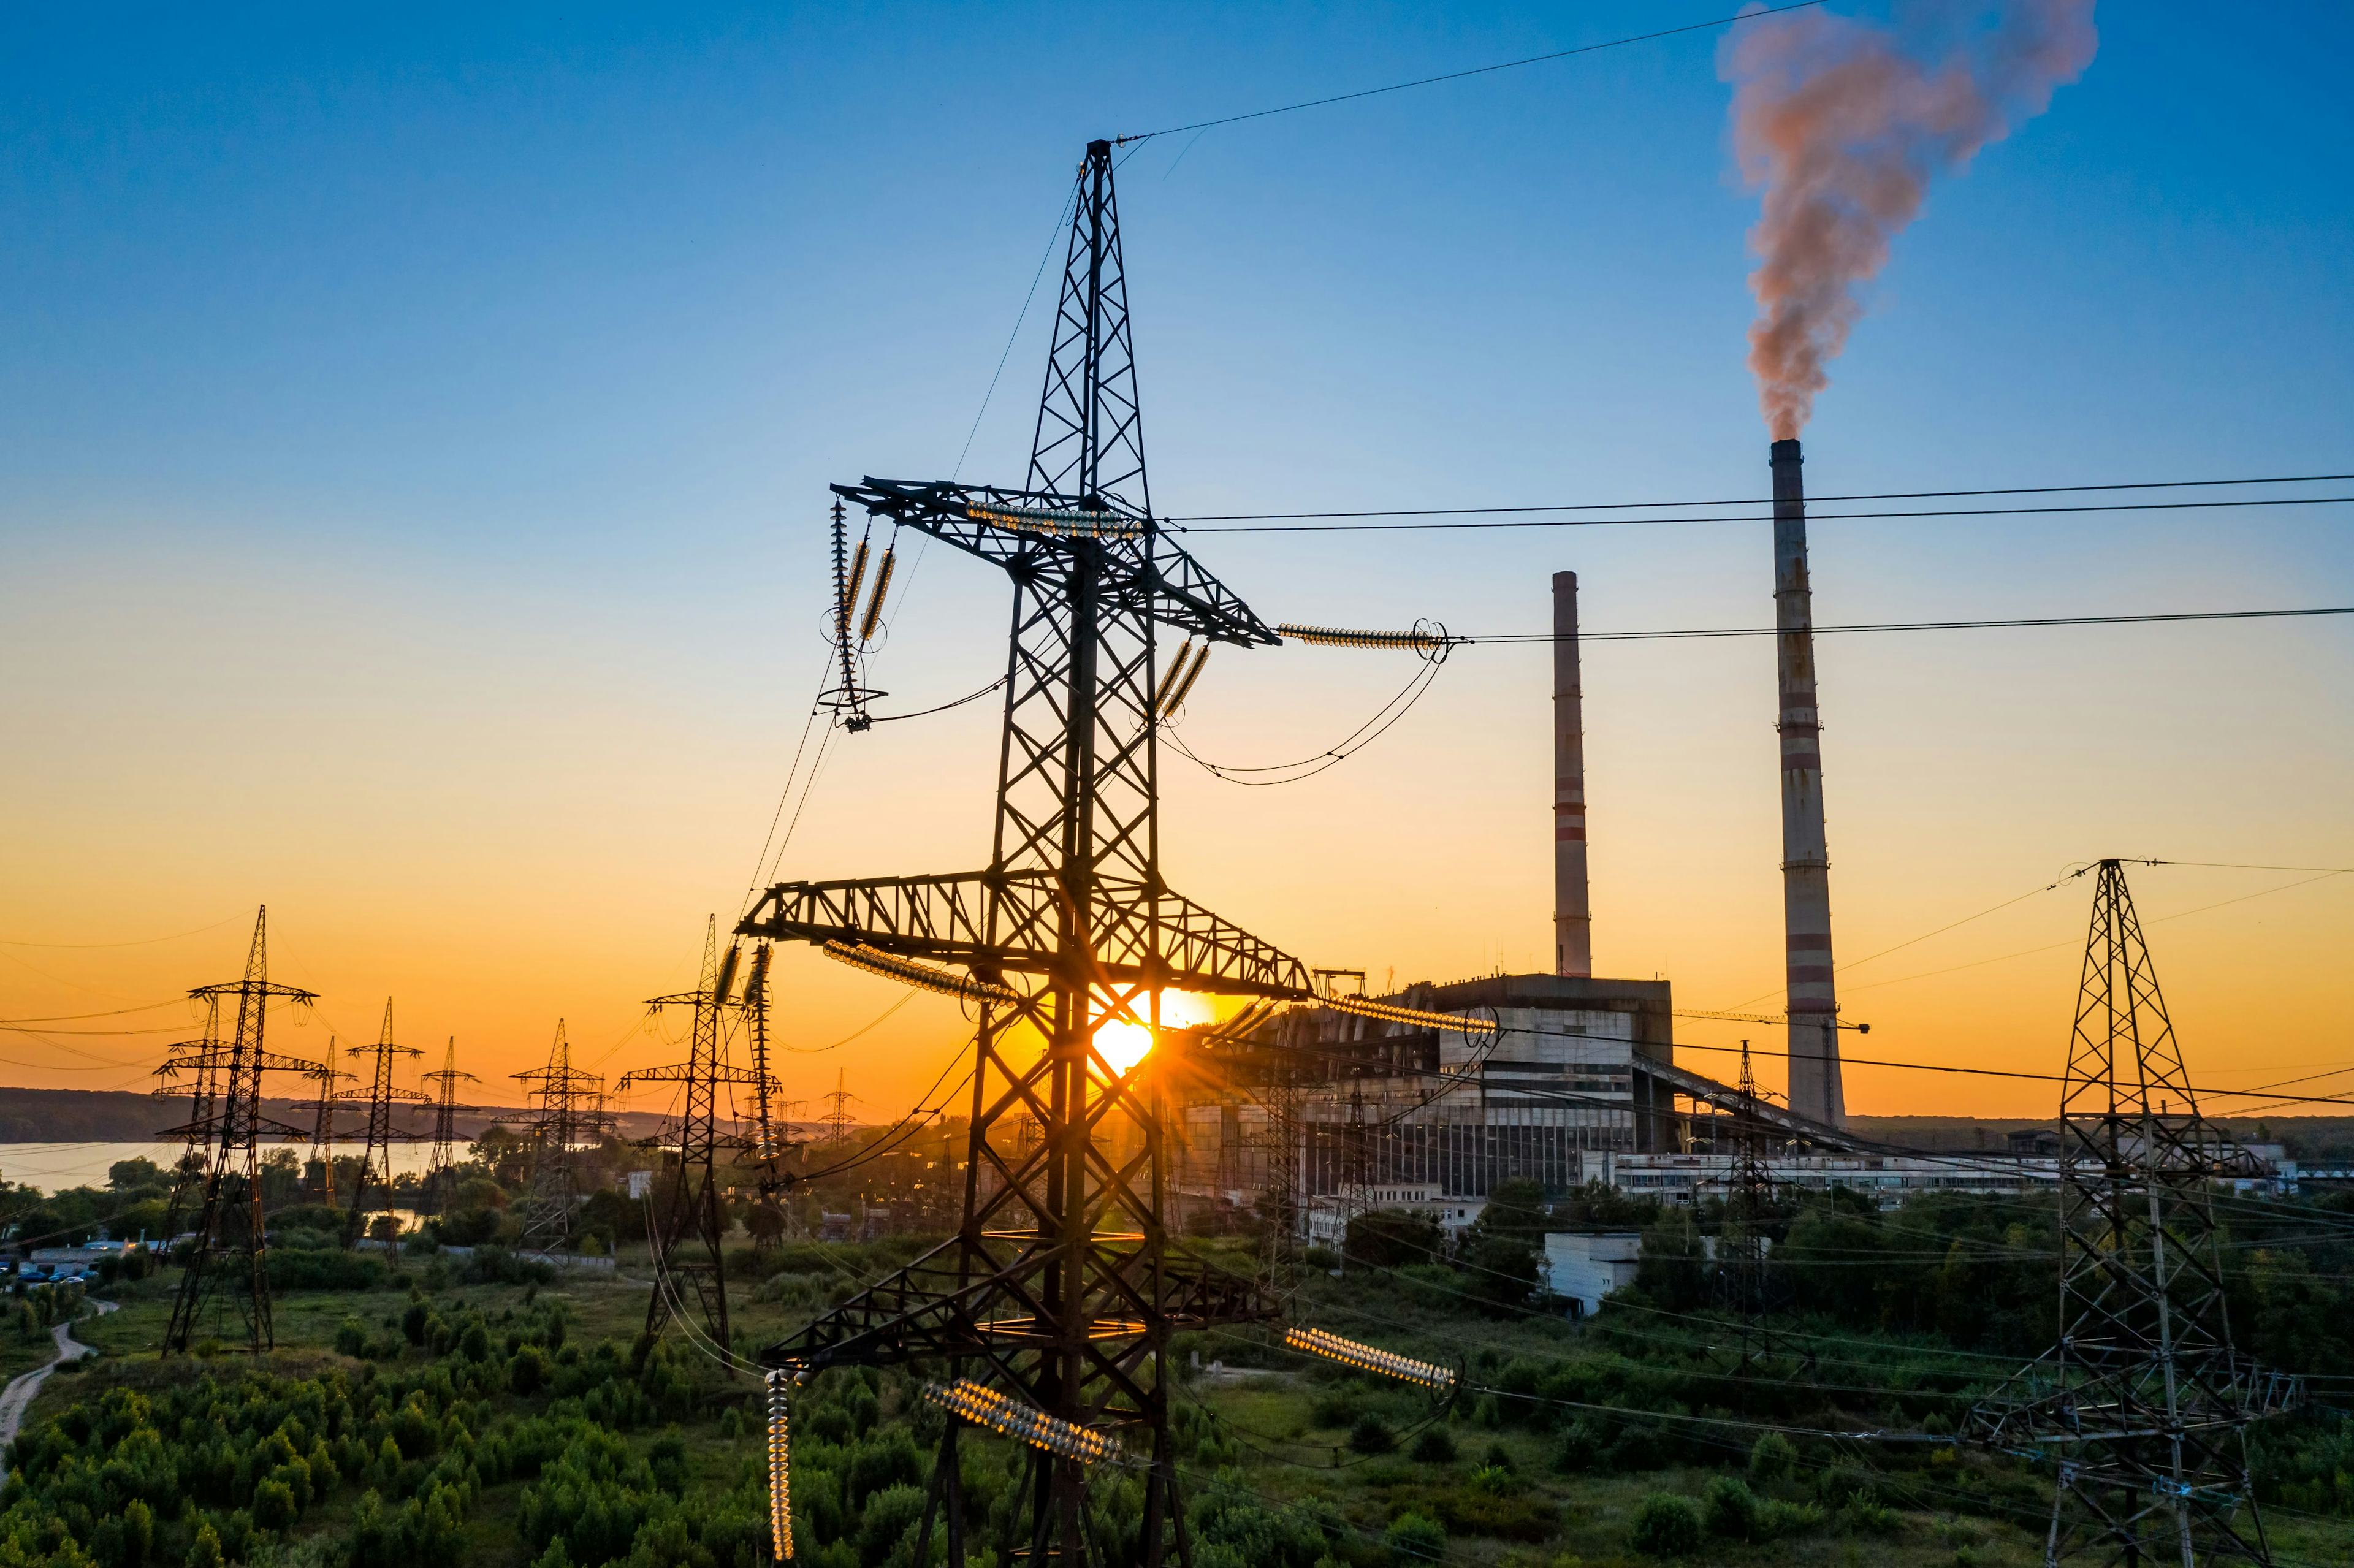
568,1107
439,1171
1745,1284
322,1126
2143,1398
194,1059
1059,1287
772,1140
837,1119
381,1134
690,1208
227,1266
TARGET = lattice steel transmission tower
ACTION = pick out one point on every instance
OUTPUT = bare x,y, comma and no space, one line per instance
1745,1283
568,1108
377,1151
227,1271
772,1142
837,1119
194,1059
2143,1400
439,1169
690,1210
1059,1290
322,1126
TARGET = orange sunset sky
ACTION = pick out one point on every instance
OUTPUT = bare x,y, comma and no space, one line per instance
412,516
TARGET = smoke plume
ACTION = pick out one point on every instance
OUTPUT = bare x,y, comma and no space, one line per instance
1843,124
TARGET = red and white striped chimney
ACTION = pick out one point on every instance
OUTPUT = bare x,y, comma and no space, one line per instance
1573,920
1813,1002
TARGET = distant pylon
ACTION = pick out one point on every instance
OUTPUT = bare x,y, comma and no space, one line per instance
2143,1398
1743,1284
568,1108
689,1210
381,1134
193,1059
323,1127
838,1121
441,1169
228,1263
772,1139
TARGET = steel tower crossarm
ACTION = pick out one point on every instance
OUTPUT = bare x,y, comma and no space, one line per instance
1161,939
1144,569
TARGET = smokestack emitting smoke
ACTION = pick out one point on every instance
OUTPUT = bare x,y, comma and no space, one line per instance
1813,1003
1573,921
1843,124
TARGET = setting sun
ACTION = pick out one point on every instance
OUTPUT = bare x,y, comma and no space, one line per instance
1123,1044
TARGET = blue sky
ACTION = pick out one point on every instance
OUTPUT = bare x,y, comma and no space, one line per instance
414,427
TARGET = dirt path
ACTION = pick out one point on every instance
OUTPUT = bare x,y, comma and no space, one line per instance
17,1397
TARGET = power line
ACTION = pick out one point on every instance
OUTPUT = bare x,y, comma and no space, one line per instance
1175,527
137,942
2015,623
1760,499
1460,75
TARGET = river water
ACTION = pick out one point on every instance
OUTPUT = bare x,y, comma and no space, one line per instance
51,1166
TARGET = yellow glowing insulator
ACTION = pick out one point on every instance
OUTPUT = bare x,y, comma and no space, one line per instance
1366,1358
1363,1008
985,1406
1183,685
780,1483
1046,520
849,606
908,972
875,606
1340,637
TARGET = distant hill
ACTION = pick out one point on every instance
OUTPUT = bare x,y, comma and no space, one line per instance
98,1116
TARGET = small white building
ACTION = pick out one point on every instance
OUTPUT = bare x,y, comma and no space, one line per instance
1583,1267
1328,1218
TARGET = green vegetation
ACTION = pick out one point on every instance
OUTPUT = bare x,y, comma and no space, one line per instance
436,1407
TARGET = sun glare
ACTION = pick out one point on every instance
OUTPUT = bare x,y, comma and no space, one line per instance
1124,1044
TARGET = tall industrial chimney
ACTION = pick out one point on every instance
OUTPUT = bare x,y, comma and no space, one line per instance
1573,920
1813,1004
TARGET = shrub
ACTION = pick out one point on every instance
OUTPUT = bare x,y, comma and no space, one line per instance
1864,1514
1372,1434
1581,1448
351,1337
1732,1508
1435,1447
1665,1525
1416,1535
1771,1458
1776,1519
527,1372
